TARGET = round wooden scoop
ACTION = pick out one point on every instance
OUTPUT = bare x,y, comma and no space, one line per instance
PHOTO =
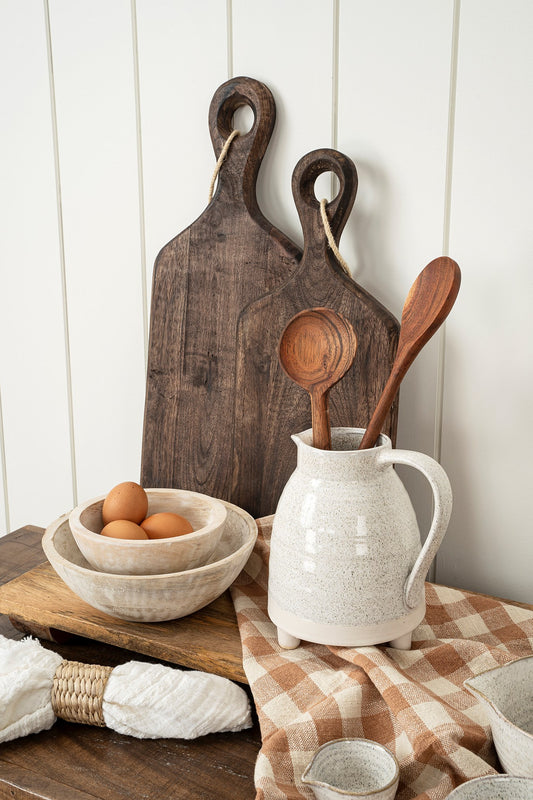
316,349
428,303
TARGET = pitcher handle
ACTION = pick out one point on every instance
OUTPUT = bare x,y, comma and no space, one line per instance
442,500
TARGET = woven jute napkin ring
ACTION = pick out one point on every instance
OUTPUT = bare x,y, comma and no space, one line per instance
78,692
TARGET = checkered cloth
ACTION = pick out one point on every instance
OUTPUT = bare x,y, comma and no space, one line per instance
411,701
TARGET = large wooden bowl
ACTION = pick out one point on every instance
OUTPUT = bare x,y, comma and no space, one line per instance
154,556
153,598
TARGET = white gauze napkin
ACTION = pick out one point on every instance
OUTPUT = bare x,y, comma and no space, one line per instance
148,701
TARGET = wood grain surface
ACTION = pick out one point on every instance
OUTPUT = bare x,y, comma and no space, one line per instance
80,762
229,257
271,407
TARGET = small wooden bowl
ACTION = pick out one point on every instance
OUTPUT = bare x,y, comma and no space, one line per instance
153,598
155,556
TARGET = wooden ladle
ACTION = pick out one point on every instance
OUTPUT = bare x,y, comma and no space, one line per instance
316,349
428,303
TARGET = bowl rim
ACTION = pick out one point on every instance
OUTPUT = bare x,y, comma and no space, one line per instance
469,684
504,778
369,743
47,544
78,510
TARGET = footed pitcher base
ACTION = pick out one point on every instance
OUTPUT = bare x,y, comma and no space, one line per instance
287,641
291,629
402,642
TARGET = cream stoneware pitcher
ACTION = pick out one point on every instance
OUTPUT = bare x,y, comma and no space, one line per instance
346,562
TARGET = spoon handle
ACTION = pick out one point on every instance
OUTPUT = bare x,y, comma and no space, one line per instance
428,303
320,420
378,417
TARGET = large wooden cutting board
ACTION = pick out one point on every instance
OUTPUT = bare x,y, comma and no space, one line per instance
270,407
203,279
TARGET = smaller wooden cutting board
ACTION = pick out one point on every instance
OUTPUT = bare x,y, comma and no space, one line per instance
270,407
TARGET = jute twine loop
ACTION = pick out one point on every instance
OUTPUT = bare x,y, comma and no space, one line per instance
233,135
78,692
331,241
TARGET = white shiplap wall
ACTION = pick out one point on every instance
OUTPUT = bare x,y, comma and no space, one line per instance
487,438
105,156
34,375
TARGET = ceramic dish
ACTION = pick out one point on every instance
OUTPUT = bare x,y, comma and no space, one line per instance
507,695
352,768
494,787
155,556
153,598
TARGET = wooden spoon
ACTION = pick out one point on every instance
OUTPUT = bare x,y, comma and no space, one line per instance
428,303
316,349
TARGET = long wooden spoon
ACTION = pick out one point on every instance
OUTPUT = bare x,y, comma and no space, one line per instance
428,303
316,349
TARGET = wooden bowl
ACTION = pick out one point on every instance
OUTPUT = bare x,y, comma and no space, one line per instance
153,598
154,556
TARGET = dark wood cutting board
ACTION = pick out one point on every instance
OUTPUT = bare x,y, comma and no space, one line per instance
203,279
270,407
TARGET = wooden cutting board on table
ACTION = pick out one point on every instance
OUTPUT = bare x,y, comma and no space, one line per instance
203,279
270,407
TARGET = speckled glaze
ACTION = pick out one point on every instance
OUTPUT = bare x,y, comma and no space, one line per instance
153,598
155,556
494,787
346,563
507,695
345,768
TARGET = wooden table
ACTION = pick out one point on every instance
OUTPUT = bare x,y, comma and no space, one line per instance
80,762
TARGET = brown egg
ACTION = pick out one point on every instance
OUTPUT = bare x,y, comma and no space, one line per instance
125,501
123,529
166,524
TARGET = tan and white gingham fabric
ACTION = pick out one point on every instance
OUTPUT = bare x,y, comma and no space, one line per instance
411,701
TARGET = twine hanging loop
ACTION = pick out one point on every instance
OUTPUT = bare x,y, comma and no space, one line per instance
223,153
331,241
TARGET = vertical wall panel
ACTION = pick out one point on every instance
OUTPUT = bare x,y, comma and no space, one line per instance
289,48
32,361
394,66
487,439
93,67
182,61
5,524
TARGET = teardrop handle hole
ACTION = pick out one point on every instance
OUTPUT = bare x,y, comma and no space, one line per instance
326,186
243,119
236,113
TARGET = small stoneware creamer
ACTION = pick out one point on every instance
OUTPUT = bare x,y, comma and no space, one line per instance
507,694
346,562
352,768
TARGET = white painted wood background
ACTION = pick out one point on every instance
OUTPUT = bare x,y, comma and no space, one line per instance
105,156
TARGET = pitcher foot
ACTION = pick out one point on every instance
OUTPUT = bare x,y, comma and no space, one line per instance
402,642
287,641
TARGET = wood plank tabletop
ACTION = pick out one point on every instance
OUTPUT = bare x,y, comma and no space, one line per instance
81,762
